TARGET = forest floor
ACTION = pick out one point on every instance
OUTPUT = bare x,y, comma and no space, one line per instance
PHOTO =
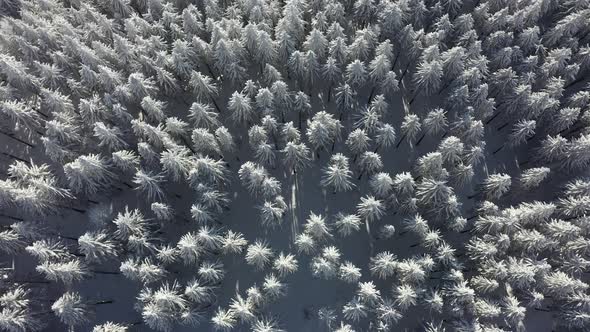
296,312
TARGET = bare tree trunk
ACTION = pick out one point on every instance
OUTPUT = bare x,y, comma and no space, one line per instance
503,126
276,140
400,141
494,116
11,156
404,72
371,95
70,208
211,71
66,237
30,281
106,272
414,97
185,102
573,131
446,85
578,80
421,138
395,61
371,244
11,217
498,149
215,103
187,144
17,139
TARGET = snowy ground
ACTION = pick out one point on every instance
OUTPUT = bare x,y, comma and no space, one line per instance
298,310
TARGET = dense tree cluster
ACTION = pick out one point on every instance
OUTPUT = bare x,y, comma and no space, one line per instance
450,136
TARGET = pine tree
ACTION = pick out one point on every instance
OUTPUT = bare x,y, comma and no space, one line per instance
332,73
129,223
109,327
316,227
323,130
337,47
358,142
532,177
296,156
285,264
345,98
369,163
305,243
259,255
203,87
154,108
125,160
496,185
302,106
48,250
266,324
202,115
97,246
149,184
204,141
88,174
355,310
356,74
451,149
225,140
369,120
370,209
211,272
434,123
240,107
233,242
381,184
385,137
389,84
410,128
223,320
66,272
176,162
264,100
379,68
522,131
154,135
337,174
19,115
272,287
349,273
71,309
427,78
109,137
272,213
139,86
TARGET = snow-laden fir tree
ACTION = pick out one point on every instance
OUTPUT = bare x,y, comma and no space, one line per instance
262,106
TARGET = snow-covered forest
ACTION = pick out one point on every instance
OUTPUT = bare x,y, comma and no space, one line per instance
294,165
